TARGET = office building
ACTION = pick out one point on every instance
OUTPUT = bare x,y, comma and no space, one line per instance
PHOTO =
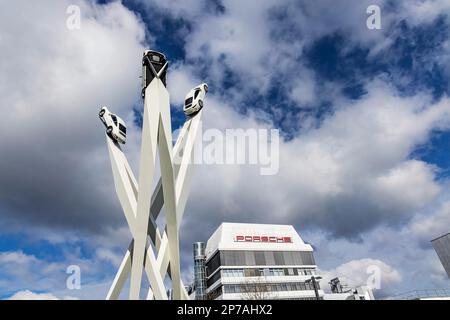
257,261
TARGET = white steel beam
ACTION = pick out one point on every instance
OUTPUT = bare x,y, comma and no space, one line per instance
141,210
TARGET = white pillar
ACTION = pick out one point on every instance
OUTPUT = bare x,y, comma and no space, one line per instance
142,205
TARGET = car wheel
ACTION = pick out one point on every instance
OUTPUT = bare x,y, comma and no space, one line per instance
109,130
200,103
101,113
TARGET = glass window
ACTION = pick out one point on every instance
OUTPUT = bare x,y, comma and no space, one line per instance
279,258
213,264
296,258
253,272
213,279
114,119
307,258
266,258
122,128
289,258
250,258
259,258
269,259
196,93
188,101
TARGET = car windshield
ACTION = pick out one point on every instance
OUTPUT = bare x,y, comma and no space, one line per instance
188,101
196,93
114,119
122,128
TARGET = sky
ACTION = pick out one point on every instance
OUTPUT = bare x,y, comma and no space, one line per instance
364,118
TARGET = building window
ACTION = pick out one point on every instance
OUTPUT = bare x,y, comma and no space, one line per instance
213,279
214,294
252,272
272,272
264,258
213,264
259,258
278,287
238,273
279,258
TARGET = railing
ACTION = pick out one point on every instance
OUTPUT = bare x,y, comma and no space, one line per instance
422,294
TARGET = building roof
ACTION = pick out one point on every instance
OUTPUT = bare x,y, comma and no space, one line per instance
246,236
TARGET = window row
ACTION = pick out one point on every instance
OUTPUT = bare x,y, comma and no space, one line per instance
268,287
267,272
259,258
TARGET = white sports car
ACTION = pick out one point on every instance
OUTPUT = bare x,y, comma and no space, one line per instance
115,126
152,63
194,99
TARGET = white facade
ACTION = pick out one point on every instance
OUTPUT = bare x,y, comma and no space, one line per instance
257,261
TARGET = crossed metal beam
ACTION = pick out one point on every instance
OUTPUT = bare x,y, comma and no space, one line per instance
142,207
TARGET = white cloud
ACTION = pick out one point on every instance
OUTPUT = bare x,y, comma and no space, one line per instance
304,89
180,81
29,295
27,276
425,11
347,176
16,257
358,272
409,186
428,227
109,256
55,80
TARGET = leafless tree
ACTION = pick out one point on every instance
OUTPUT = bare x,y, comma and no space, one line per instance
257,288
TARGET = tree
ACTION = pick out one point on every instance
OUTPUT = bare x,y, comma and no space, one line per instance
257,288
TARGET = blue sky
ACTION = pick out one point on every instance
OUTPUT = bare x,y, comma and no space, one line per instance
364,116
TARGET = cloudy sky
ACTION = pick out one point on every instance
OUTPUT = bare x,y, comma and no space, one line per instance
364,117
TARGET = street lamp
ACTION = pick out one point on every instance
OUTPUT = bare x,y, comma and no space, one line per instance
314,280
